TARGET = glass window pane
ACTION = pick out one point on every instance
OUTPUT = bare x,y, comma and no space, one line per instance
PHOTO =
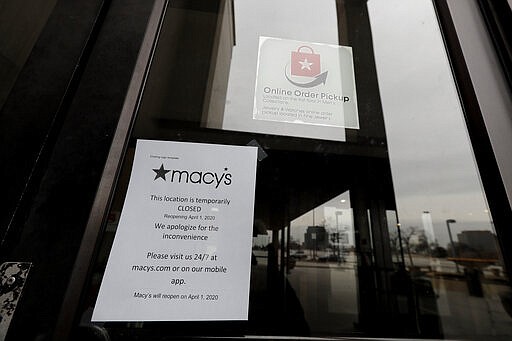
379,229
446,226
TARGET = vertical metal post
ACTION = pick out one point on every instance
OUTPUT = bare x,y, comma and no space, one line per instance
455,252
401,246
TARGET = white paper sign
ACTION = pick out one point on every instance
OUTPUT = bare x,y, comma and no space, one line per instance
182,250
305,83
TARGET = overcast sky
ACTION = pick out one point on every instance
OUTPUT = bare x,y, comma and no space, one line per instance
431,159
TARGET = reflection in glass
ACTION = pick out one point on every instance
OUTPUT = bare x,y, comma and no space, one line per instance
351,225
324,271
446,229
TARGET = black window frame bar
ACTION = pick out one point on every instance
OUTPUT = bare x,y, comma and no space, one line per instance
104,195
497,15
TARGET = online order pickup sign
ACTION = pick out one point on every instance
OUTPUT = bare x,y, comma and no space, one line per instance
182,250
305,83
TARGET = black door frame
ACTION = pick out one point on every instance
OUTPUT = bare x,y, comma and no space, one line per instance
484,154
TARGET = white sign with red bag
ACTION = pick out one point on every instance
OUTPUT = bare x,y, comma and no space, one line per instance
301,66
305,83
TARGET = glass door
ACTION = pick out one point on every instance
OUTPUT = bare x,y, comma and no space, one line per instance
369,215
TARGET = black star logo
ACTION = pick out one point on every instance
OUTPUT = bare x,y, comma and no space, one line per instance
160,172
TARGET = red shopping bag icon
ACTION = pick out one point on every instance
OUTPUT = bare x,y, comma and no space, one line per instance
305,64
